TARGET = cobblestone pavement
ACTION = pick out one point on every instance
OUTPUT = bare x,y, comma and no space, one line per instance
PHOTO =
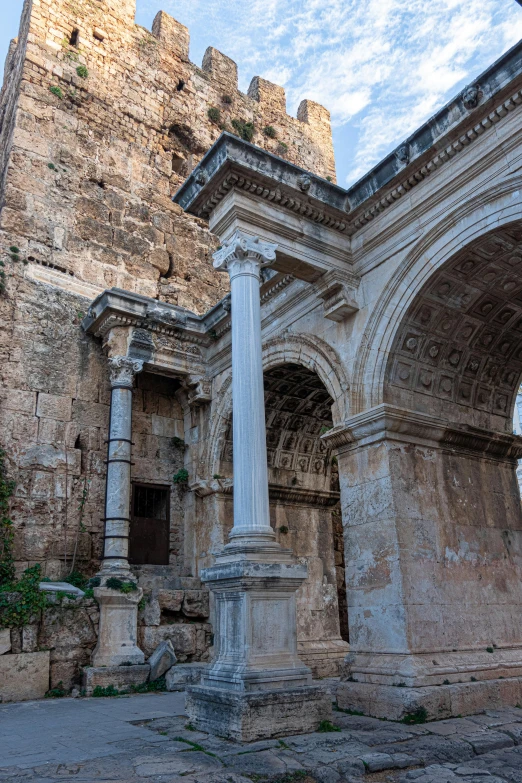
146,739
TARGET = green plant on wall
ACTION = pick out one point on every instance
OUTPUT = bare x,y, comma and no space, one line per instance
122,585
56,91
181,477
244,129
214,115
22,601
7,569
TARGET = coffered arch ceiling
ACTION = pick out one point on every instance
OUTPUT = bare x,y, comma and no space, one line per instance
460,342
298,411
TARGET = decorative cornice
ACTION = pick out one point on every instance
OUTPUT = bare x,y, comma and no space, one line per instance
299,204
387,422
115,307
234,164
294,495
279,195
438,160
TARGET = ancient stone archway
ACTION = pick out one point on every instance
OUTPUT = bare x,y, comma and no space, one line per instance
458,351
430,496
304,506
466,224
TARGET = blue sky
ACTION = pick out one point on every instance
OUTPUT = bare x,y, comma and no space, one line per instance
382,67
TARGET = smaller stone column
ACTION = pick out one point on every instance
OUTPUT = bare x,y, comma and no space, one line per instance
117,638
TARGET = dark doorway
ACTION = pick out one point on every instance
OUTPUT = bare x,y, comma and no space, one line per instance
149,527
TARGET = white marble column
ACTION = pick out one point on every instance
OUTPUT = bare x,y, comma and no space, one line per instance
257,686
243,257
118,484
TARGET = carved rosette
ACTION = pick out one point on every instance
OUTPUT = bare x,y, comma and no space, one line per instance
122,370
244,254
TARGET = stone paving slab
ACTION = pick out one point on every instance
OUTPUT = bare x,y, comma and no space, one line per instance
147,739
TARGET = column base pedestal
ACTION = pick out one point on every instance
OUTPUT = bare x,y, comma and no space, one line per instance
430,702
444,684
249,716
118,633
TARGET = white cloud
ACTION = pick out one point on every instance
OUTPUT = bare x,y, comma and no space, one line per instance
381,67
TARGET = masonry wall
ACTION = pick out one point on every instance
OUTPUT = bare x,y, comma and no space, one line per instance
96,157
101,121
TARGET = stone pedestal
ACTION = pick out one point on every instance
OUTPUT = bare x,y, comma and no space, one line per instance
257,686
118,632
120,677
246,717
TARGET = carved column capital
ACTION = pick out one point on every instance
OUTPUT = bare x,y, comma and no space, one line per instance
122,370
244,254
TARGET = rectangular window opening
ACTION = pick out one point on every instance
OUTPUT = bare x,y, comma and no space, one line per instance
150,525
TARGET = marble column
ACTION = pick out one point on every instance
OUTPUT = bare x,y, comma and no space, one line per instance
257,686
243,257
117,638
118,483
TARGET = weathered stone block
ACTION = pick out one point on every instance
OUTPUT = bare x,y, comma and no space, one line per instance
171,599
151,613
121,677
24,676
183,674
29,638
183,638
5,641
246,717
196,603
161,659
51,406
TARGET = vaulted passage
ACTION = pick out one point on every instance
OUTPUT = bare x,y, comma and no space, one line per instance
458,352
305,508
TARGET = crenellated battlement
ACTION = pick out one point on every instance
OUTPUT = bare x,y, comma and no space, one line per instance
103,35
107,119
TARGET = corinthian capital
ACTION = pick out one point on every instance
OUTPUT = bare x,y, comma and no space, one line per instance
243,250
122,370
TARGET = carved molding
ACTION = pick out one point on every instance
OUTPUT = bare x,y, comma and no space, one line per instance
319,213
293,495
441,157
301,206
388,422
199,390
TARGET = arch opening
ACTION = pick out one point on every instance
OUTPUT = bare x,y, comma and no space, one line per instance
458,350
304,506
